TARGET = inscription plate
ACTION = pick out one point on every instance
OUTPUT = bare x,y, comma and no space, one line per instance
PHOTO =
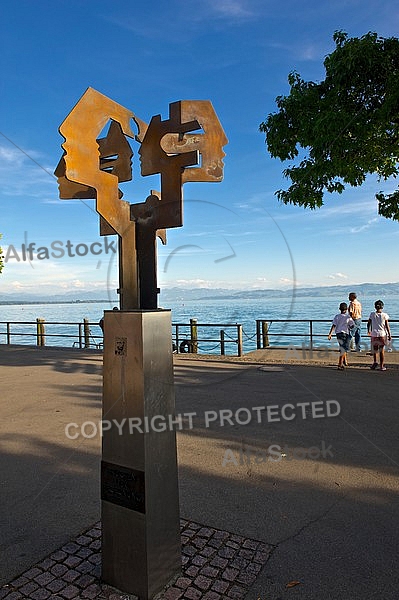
123,486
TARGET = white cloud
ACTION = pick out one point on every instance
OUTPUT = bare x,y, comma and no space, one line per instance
337,276
307,51
23,174
231,8
365,226
196,283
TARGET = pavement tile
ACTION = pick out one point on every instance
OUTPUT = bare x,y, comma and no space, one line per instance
211,596
249,554
58,556
202,582
70,548
46,564
210,572
208,551
218,561
56,585
71,591
192,571
44,578
215,564
29,588
220,586
72,561
84,580
84,540
173,593
71,575
86,552
59,569
32,573
230,574
40,594
183,582
199,561
96,545
192,594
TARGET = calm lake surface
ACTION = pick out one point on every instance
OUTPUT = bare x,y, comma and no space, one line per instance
220,311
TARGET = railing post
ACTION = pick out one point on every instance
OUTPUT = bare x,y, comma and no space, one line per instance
311,334
80,335
265,334
222,348
258,341
239,340
194,336
177,340
40,332
8,333
86,330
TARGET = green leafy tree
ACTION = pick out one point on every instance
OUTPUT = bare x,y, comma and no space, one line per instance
342,129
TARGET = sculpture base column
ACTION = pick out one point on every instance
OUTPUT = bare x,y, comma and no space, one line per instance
141,549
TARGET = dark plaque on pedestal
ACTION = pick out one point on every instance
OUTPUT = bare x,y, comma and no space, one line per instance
123,486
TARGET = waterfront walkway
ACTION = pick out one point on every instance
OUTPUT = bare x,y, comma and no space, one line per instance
321,522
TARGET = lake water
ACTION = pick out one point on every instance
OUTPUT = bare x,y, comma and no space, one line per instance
220,311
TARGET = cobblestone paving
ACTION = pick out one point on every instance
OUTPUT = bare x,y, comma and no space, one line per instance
215,564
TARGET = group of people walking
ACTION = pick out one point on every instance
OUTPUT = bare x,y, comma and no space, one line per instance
347,327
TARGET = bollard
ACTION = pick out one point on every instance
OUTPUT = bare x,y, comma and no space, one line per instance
265,334
222,348
40,332
86,332
194,336
239,339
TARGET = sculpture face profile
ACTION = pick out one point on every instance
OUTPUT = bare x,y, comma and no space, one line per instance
209,144
92,167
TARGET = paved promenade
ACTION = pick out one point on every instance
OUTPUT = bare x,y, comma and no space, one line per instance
276,502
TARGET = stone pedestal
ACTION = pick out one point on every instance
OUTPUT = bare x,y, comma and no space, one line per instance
141,549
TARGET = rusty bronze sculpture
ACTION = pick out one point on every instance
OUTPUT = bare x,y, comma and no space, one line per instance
92,168
141,551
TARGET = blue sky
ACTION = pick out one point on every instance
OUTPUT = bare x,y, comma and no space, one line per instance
144,55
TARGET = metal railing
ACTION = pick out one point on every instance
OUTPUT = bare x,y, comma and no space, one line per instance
40,330
193,337
310,329
185,336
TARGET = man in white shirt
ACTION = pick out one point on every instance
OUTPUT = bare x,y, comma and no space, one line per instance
355,311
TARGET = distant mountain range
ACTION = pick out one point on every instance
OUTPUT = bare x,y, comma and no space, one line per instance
363,289
186,294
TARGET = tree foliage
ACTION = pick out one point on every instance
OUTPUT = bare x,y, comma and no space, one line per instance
343,128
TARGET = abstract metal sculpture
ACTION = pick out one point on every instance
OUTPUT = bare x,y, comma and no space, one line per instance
141,549
92,168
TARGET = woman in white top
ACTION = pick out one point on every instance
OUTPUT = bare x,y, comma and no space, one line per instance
378,329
